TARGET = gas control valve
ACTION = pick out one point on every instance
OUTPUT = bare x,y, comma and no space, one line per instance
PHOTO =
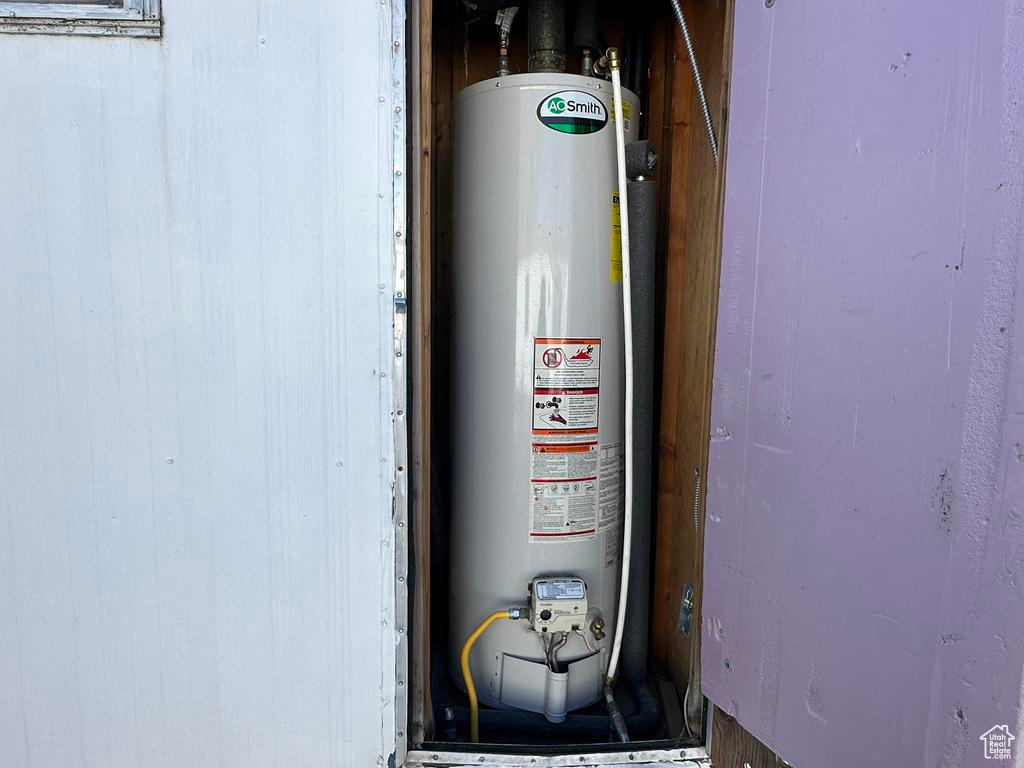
558,604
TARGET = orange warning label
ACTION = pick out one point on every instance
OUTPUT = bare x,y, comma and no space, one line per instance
552,463
556,448
566,363
564,490
558,410
566,389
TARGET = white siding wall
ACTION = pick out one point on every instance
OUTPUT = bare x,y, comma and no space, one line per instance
195,391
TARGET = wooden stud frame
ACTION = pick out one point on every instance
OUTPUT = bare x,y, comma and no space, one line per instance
451,56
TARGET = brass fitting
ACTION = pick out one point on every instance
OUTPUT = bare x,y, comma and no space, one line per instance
613,58
608,61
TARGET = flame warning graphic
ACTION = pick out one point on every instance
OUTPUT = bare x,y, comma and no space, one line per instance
583,356
566,381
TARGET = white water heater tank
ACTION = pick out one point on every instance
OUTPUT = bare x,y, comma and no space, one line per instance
537,379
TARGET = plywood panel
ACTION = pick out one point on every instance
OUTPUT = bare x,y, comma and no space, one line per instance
693,240
733,747
864,552
195,391
420,338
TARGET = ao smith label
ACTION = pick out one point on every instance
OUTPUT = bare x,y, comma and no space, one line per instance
572,112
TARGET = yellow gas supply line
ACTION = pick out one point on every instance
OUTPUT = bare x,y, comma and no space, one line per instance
467,675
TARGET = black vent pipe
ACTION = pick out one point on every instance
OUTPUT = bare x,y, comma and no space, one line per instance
546,36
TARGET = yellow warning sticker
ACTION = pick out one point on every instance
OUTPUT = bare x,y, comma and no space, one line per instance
615,272
627,113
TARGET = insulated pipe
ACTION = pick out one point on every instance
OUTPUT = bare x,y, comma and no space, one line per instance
627,323
641,157
643,203
587,29
546,36
586,36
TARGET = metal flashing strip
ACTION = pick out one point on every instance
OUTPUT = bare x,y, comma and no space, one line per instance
399,382
692,757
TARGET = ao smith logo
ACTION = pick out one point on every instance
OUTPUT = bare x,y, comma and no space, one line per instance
572,112
557,105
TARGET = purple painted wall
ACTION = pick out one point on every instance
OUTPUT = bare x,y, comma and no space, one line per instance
864,600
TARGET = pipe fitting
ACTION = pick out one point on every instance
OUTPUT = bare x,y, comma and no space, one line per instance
545,21
586,63
613,59
618,722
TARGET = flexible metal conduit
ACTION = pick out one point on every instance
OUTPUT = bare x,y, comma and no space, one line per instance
678,8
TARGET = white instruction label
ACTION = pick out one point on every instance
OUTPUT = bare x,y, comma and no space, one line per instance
561,589
563,492
566,389
612,545
563,511
611,477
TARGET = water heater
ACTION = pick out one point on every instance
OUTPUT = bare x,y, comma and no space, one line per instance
537,386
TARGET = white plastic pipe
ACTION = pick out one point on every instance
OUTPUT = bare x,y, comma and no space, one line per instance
627,326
